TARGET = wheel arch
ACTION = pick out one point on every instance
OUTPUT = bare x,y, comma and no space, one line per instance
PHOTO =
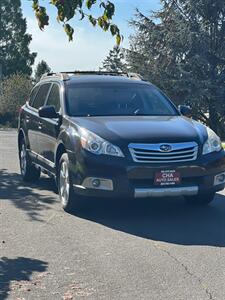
67,143
61,149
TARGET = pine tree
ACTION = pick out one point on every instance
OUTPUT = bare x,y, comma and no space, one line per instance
15,56
181,48
114,62
41,69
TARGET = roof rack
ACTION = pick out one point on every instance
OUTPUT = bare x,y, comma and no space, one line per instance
66,75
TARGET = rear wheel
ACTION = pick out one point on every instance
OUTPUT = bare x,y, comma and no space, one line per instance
28,171
69,200
203,199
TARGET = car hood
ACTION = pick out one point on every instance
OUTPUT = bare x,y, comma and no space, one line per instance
144,129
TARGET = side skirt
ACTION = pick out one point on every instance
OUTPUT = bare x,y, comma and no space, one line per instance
47,167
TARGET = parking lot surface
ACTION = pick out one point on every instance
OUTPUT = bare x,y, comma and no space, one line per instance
111,249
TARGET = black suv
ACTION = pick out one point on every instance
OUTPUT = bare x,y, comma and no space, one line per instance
116,135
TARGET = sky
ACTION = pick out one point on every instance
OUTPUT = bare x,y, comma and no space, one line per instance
90,46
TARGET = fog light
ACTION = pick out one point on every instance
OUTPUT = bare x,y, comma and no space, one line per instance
219,179
96,183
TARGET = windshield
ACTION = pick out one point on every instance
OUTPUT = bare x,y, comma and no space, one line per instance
117,100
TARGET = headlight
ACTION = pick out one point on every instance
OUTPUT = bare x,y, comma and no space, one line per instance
213,143
97,145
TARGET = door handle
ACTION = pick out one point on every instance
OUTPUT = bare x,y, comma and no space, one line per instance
40,125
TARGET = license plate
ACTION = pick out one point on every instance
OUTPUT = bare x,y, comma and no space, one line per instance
167,177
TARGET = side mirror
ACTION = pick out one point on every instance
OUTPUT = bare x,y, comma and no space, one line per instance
185,110
48,112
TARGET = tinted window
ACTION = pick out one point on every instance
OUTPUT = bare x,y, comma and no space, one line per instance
33,94
54,97
41,96
117,100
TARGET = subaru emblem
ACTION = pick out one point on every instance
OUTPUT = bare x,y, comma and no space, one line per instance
166,148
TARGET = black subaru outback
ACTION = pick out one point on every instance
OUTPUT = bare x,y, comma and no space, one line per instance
116,135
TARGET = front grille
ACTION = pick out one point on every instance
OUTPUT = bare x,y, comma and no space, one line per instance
164,153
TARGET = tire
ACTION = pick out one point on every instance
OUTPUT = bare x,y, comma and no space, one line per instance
200,200
29,172
69,200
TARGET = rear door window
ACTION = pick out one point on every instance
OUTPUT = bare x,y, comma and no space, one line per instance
54,97
41,95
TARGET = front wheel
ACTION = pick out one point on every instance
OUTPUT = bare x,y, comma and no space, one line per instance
68,198
203,199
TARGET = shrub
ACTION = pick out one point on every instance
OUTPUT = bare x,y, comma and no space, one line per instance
14,91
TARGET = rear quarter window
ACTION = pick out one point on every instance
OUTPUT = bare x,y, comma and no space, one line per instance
41,96
33,95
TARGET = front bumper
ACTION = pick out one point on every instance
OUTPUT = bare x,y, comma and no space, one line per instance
130,179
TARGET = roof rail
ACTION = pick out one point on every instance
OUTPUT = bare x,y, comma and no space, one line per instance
65,75
97,73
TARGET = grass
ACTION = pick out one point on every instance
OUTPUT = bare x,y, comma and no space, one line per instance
223,145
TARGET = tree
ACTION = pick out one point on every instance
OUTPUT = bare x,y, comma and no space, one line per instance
14,93
15,55
115,61
67,10
181,48
41,69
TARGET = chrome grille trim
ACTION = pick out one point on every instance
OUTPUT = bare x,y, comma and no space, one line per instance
151,153
166,192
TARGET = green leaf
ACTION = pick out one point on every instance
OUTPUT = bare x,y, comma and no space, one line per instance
35,4
92,20
113,29
118,39
110,10
69,31
89,3
42,17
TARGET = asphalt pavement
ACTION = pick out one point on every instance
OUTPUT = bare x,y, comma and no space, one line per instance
111,249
